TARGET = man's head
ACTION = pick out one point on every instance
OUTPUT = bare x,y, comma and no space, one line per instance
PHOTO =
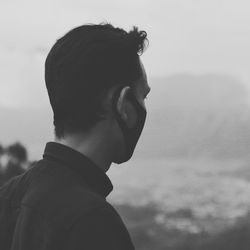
84,66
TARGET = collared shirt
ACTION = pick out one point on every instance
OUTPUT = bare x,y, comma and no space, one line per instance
60,203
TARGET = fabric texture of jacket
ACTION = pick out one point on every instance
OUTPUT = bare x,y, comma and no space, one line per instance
60,204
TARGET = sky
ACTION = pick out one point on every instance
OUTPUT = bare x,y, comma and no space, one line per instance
186,36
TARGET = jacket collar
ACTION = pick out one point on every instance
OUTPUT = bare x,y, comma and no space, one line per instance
82,165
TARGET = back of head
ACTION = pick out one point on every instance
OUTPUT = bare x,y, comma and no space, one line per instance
83,65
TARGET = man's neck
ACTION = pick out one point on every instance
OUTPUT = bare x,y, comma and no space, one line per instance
91,146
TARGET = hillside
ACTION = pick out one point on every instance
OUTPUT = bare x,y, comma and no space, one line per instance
197,116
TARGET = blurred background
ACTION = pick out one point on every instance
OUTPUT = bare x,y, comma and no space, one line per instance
188,185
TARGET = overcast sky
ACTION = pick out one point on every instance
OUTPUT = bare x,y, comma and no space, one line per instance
186,36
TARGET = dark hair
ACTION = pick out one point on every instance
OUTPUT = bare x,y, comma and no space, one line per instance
83,65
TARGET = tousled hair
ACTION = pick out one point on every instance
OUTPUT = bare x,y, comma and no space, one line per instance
84,64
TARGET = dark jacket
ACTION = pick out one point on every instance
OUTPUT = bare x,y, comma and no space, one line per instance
60,204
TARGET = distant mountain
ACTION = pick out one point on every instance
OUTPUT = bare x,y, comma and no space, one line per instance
197,116
188,116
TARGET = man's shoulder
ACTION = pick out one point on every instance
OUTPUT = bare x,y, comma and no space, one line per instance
54,200
59,196
53,193
100,228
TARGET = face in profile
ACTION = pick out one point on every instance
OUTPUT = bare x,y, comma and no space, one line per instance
142,88
137,113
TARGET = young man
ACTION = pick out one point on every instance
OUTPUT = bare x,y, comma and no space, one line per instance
97,86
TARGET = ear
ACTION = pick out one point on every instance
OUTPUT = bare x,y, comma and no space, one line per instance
122,103
125,108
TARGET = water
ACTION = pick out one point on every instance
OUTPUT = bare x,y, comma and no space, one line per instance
191,195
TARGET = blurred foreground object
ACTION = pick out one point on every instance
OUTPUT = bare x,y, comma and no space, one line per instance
13,161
